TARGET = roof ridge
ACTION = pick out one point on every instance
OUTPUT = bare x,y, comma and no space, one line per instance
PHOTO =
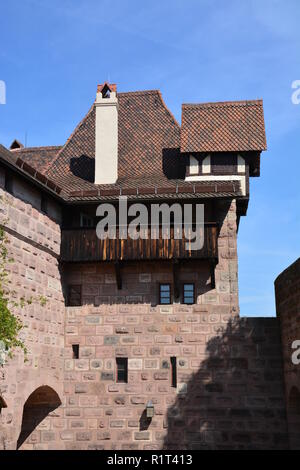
139,92
223,103
70,136
42,147
168,110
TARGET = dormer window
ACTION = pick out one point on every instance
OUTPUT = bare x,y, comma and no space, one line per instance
206,165
194,166
241,166
199,167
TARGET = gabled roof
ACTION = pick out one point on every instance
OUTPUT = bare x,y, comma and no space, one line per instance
151,149
230,126
149,141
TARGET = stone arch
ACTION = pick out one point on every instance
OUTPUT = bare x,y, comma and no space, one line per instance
294,418
37,413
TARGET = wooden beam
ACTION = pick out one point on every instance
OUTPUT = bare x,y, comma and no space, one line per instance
118,275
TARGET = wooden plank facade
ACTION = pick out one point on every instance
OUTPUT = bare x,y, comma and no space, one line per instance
84,245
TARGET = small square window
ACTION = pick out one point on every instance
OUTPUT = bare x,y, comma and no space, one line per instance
122,369
75,350
74,296
189,294
165,294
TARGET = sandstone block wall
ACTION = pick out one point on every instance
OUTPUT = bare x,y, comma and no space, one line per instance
229,391
34,244
229,371
287,290
101,413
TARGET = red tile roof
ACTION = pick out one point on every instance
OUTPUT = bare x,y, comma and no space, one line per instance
149,140
150,160
14,162
37,157
229,126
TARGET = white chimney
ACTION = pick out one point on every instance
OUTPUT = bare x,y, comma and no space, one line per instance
106,157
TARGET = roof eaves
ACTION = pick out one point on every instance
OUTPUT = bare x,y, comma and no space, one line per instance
23,169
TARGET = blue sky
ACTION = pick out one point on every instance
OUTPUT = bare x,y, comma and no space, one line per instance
53,54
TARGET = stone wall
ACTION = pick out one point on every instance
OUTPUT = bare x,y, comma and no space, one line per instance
34,244
235,398
100,413
229,371
229,374
287,289
229,390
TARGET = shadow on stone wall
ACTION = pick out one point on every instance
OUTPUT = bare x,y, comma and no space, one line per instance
235,400
40,404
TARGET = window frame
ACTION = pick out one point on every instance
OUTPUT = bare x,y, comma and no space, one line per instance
183,293
173,362
159,293
120,361
75,350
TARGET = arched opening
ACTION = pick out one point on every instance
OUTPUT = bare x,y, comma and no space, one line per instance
2,403
294,418
37,410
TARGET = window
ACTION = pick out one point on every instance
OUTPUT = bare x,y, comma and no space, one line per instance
75,349
206,165
86,220
74,296
241,166
173,372
165,294
122,369
44,205
194,166
188,294
8,183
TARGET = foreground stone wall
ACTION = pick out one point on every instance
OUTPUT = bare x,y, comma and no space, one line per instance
34,244
229,372
229,390
102,413
230,384
287,289
235,399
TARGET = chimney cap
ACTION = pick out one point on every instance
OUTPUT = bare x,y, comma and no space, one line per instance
16,145
107,86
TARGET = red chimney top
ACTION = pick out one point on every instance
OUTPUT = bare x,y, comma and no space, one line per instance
106,86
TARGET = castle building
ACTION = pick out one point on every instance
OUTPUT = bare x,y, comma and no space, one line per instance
140,344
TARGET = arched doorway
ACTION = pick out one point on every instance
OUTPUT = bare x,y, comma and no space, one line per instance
37,410
294,418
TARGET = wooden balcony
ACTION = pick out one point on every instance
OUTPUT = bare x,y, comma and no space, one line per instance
80,245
